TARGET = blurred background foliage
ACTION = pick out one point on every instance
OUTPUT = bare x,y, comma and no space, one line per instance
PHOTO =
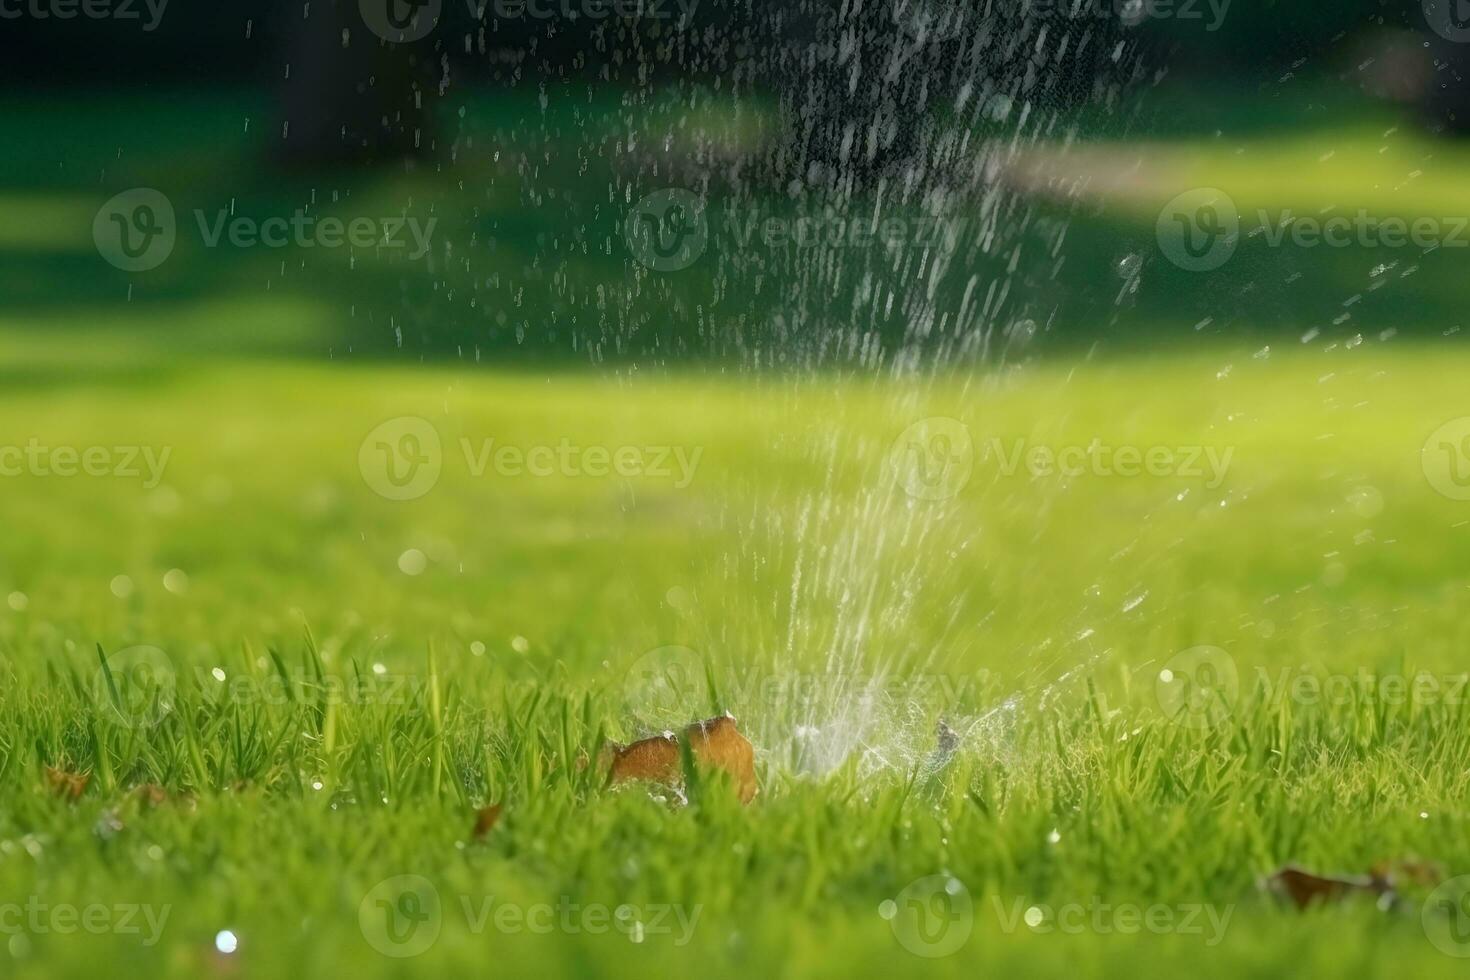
528,140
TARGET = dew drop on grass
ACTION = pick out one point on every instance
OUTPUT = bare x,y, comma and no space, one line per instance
175,581
412,562
121,586
520,644
477,648
226,942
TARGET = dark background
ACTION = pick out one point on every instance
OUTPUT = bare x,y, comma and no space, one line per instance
509,132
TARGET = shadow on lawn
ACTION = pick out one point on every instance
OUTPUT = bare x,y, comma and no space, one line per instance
529,265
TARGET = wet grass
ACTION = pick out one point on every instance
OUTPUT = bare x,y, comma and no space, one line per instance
354,676
365,713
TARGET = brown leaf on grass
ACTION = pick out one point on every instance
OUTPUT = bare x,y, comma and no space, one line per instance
655,759
486,818
1425,874
1304,888
715,744
68,785
718,743
152,795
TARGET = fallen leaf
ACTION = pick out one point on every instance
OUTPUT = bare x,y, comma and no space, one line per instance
1304,888
152,794
1425,874
655,759
486,819
718,743
68,785
715,744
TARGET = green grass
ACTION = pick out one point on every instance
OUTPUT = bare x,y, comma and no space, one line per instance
367,713
1047,607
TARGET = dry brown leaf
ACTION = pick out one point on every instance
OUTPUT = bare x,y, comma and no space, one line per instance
1425,874
655,759
152,794
1304,888
68,785
715,744
718,743
486,819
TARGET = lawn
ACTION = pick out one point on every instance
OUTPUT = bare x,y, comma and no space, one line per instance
1047,656
389,666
